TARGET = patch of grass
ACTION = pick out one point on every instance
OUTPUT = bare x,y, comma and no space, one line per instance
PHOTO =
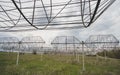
30,64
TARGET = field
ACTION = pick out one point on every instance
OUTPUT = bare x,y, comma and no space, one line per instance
51,64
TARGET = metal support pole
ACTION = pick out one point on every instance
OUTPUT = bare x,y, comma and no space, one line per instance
83,55
17,61
18,54
96,57
74,52
41,56
105,55
77,55
95,54
66,43
41,53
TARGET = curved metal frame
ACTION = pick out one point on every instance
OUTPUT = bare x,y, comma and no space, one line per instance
89,12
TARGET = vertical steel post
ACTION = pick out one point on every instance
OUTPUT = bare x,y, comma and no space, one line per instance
18,54
66,43
83,56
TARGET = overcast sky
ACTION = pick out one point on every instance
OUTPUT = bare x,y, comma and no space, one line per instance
108,23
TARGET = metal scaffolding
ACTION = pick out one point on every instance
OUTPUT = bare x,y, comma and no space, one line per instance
32,43
98,43
66,44
9,44
27,44
23,15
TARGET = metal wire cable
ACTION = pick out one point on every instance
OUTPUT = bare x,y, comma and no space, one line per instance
51,15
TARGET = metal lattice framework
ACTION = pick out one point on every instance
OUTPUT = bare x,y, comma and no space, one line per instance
32,43
20,15
102,41
9,44
66,44
27,44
